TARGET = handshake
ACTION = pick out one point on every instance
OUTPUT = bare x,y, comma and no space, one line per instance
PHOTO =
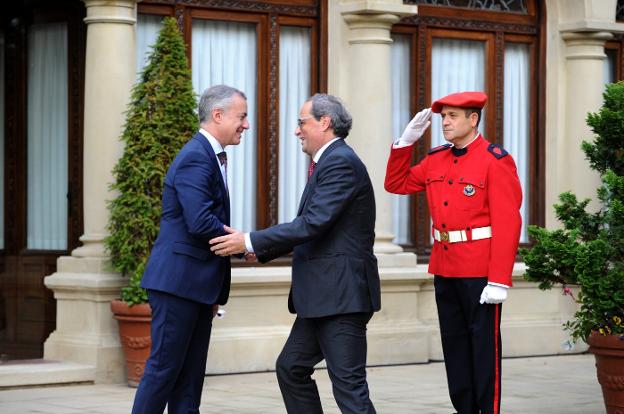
231,244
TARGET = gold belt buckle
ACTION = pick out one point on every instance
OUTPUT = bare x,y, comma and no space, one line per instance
444,236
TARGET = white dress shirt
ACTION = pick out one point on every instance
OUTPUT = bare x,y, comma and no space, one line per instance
217,148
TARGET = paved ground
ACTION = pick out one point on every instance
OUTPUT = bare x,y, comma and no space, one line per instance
540,385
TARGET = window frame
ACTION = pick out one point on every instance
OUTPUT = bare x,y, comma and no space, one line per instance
617,45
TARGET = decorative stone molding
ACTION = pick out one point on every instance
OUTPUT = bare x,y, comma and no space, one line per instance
116,11
585,45
370,28
588,16
395,7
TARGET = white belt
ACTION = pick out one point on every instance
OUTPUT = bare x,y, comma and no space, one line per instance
454,236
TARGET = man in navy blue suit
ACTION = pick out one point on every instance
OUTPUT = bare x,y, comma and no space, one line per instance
185,281
335,281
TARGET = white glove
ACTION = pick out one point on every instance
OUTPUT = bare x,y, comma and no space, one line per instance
493,294
416,128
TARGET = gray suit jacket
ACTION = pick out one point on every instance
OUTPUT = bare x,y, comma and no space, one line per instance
334,270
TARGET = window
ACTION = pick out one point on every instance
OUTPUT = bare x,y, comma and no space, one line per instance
462,45
47,97
213,62
272,53
610,70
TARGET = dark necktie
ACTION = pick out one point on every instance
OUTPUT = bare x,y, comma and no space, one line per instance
311,169
222,158
223,161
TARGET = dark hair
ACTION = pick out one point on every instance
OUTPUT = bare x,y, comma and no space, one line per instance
331,106
216,97
477,111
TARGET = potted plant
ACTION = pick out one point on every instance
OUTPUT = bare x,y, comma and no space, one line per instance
160,118
588,252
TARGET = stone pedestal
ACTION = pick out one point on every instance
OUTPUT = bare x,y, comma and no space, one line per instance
85,331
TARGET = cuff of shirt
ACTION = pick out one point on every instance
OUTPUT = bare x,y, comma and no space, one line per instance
248,244
400,144
498,284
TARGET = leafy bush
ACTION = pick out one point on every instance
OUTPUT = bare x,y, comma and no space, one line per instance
589,250
159,120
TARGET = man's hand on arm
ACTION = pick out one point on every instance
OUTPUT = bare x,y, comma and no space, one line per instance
493,293
232,243
416,128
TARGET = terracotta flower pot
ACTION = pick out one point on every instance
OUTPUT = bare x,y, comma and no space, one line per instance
134,333
609,353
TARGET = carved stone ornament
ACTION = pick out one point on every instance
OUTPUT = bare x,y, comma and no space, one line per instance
516,6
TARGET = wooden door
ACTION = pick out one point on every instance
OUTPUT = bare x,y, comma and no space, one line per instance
27,307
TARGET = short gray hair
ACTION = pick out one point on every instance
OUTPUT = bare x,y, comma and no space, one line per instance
216,97
331,106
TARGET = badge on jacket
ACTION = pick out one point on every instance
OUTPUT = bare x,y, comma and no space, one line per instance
469,190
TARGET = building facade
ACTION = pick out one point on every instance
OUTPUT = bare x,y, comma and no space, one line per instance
67,68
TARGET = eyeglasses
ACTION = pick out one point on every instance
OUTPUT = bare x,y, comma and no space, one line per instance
301,121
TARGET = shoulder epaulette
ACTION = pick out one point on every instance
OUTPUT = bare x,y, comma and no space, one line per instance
440,148
497,151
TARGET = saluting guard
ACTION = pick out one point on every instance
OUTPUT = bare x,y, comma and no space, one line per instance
474,198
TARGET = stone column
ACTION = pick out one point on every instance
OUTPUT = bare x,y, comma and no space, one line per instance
84,283
584,26
369,99
584,87
109,75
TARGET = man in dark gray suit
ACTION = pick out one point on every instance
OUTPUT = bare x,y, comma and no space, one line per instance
335,281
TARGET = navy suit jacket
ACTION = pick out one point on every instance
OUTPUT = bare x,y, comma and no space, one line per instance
334,270
195,207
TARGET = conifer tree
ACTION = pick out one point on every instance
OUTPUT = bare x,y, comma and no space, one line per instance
160,119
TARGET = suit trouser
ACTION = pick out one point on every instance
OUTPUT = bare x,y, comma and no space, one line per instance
471,344
174,372
341,341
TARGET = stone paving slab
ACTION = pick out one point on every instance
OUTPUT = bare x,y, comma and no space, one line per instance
540,385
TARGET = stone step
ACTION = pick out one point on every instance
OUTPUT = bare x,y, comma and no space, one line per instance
36,372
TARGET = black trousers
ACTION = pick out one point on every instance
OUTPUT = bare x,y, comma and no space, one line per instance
341,341
471,344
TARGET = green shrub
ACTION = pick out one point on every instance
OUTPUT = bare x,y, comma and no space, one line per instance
589,250
159,120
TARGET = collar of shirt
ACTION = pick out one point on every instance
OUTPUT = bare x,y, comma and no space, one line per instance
321,150
216,147
473,140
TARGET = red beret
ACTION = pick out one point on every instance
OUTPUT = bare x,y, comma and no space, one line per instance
461,100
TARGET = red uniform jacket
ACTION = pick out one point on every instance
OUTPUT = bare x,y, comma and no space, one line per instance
475,189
